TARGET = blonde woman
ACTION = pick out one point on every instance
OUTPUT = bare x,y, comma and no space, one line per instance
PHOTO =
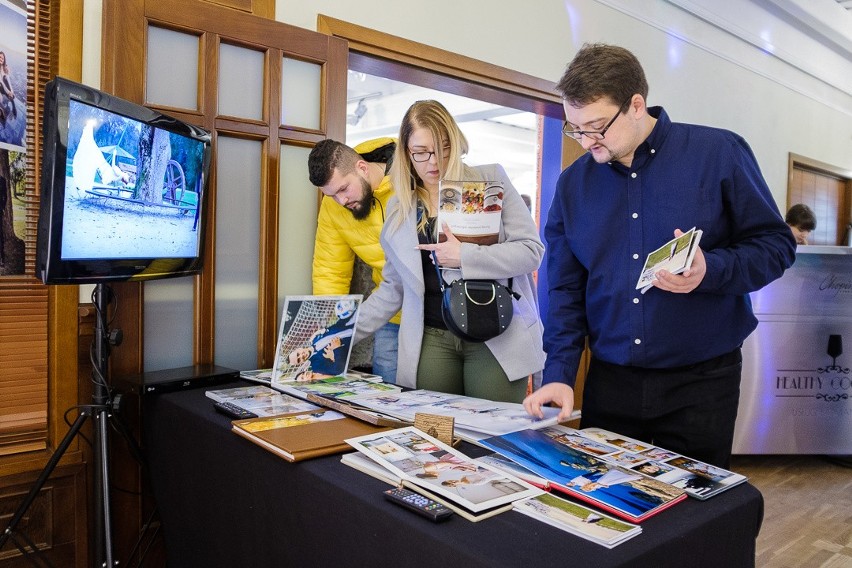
431,148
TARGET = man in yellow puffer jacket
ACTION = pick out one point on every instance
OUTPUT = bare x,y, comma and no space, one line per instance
353,179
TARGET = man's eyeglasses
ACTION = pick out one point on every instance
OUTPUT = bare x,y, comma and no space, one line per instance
425,156
568,130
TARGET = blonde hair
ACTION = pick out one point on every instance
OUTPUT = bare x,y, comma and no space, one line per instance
408,186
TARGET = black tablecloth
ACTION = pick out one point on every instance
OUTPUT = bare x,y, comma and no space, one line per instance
226,502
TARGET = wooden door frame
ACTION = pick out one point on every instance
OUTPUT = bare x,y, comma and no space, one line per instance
795,161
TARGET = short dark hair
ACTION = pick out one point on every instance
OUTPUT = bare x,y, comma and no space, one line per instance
327,156
601,70
802,217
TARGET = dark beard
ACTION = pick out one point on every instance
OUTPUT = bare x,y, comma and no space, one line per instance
365,204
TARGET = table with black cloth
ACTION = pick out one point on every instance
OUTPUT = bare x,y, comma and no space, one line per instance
227,502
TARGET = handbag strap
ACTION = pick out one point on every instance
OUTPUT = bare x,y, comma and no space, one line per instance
441,278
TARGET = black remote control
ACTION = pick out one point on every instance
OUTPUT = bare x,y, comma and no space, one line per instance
231,410
418,503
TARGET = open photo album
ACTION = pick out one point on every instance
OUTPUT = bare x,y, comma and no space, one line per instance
698,479
427,465
261,400
585,475
469,414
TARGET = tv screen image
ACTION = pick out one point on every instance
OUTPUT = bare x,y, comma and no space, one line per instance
123,190
110,211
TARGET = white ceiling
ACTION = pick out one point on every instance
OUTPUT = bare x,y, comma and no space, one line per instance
847,4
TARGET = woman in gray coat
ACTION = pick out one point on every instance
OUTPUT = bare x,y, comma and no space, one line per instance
430,148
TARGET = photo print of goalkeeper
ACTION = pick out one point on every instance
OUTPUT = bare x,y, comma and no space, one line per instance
315,339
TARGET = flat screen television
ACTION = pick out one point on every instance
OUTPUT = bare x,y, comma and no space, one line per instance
123,190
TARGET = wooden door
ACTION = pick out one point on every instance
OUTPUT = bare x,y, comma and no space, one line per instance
826,190
267,92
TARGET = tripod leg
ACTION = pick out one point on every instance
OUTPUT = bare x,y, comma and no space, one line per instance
45,474
103,532
35,559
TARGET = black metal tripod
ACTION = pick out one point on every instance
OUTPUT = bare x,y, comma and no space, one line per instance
100,410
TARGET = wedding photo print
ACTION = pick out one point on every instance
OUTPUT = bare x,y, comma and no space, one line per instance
13,77
13,128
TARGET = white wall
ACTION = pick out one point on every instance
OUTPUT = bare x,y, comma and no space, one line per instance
790,94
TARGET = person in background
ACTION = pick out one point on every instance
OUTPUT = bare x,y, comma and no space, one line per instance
802,221
666,365
431,147
356,191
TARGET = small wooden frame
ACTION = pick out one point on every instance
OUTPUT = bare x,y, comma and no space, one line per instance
440,427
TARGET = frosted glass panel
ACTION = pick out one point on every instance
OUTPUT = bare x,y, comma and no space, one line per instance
238,191
300,93
172,73
240,82
297,215
168,323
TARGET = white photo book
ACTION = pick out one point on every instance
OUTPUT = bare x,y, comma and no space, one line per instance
426,464
675,256
315,337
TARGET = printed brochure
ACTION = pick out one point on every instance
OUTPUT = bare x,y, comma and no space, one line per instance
675,256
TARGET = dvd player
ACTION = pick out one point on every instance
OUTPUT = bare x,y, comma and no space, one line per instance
182,378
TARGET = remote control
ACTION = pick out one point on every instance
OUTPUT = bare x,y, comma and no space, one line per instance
418,503
231,410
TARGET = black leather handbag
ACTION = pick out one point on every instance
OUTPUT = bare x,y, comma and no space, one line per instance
476,310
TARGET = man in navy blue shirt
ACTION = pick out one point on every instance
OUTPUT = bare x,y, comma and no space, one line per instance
666,365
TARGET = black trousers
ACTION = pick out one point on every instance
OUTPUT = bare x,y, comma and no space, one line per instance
690,410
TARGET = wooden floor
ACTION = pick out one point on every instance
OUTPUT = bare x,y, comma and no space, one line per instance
807,521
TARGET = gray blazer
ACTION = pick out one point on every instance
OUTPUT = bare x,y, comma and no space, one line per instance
517,254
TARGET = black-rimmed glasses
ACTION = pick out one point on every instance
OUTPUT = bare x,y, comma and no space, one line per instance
425,156
568,130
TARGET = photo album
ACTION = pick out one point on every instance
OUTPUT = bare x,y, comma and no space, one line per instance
675,256
429,466
315,338
578,520
555,454
474,414
261,400
698,479
471,209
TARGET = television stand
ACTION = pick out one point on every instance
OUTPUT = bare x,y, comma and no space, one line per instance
101,411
